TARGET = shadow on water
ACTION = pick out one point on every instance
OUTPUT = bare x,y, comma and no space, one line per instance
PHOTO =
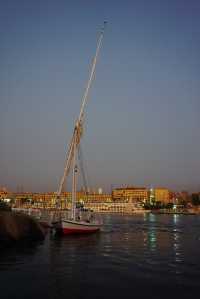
20,247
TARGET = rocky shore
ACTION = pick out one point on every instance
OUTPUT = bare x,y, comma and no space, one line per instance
16,227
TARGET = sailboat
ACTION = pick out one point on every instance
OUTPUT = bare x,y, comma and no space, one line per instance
78,220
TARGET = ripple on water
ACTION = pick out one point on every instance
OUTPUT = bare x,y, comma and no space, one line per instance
133,253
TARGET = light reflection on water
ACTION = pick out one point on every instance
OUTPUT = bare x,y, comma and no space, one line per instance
137,253
152,236
176,241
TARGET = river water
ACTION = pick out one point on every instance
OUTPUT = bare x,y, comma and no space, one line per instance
141,256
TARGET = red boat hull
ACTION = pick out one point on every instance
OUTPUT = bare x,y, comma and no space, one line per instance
68,227
69,231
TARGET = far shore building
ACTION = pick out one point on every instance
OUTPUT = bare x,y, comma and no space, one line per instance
130,194
3,194
162,195
49,199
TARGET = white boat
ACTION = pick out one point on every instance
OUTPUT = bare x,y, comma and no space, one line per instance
67,227
73,222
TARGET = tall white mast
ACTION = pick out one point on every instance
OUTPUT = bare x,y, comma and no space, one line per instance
71,154
74,183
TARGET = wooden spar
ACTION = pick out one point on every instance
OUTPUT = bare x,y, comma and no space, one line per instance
92,72
78,125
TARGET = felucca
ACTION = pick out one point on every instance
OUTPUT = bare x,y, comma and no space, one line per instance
78,220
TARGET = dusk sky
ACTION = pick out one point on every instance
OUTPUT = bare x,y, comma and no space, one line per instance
142,123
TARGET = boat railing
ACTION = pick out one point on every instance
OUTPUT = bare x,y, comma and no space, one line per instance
88,216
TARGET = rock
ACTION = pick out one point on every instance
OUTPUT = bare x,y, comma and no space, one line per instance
15,227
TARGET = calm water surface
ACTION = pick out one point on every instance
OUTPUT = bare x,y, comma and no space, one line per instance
142,256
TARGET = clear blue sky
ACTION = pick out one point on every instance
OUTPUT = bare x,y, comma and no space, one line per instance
143,117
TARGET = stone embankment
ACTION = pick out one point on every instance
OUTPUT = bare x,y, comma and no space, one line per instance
15,227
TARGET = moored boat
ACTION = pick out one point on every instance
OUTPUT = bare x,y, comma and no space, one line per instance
75,222
67,227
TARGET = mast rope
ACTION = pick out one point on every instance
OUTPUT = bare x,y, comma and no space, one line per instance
82,169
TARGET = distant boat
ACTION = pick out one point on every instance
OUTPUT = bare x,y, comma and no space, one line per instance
78,220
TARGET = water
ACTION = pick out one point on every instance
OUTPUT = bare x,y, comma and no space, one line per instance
143,256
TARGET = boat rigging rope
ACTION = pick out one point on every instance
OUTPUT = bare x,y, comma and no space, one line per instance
82,169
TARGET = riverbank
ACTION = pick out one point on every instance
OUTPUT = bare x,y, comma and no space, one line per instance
177,211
